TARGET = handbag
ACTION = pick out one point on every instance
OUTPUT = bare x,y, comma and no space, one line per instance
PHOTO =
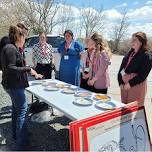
37,107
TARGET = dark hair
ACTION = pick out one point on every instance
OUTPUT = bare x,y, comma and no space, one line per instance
22,26
69,32
141,36
15,33
3,41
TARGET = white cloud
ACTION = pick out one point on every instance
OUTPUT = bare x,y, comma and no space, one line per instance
112,14
146,27
136,3
140,20
74,10
141,13
122,5
149,2
89,9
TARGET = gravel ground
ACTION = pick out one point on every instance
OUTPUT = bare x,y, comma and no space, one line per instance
50,136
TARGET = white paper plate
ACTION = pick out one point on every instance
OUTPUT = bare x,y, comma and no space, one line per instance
105,106
68,91
53,84
83,94
49,88
74,87
83,101
62,85
38,82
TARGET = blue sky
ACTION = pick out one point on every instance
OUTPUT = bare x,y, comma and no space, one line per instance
138,11
108,4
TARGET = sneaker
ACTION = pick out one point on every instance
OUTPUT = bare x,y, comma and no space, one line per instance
57,113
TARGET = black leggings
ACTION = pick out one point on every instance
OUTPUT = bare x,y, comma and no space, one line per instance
103,91
84,85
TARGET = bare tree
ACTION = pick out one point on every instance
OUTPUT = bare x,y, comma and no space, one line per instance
120,30
92,20
41,14
65,18
11,13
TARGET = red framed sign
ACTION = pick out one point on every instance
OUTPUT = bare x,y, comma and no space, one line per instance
76,141
118,130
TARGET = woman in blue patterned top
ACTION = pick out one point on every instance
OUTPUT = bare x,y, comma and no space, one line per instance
70,51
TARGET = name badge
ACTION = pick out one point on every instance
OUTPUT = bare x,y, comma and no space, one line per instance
122,72
66,57
87,69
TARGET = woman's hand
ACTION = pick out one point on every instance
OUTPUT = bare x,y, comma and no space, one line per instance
85,76
38,76
127,86
91,82
35,74
121,86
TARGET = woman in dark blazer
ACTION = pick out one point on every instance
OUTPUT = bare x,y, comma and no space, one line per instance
134,70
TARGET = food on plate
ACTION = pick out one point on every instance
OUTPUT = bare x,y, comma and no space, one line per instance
83,101
60,85
105,106
69,91
102,97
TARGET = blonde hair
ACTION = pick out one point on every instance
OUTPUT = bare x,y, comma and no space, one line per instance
15,33
101,44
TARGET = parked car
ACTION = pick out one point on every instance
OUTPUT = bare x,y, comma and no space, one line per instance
55,41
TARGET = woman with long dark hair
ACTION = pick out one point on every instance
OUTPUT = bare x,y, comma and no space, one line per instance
134,70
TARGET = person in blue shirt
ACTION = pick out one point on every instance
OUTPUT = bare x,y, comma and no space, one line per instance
70,51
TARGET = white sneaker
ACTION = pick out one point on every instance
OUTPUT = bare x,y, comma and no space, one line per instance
41,117
2,140
57,112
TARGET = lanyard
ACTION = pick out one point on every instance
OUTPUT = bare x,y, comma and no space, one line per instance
130,58
88,59
94,64
66,48
44,49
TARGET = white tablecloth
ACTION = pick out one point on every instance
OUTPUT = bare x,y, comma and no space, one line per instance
64,102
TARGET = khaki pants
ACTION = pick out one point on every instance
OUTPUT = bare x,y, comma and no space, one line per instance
136,93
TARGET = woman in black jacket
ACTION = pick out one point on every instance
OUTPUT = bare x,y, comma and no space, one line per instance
134,70
14,81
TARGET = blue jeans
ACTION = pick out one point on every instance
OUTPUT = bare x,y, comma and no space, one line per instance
19,110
